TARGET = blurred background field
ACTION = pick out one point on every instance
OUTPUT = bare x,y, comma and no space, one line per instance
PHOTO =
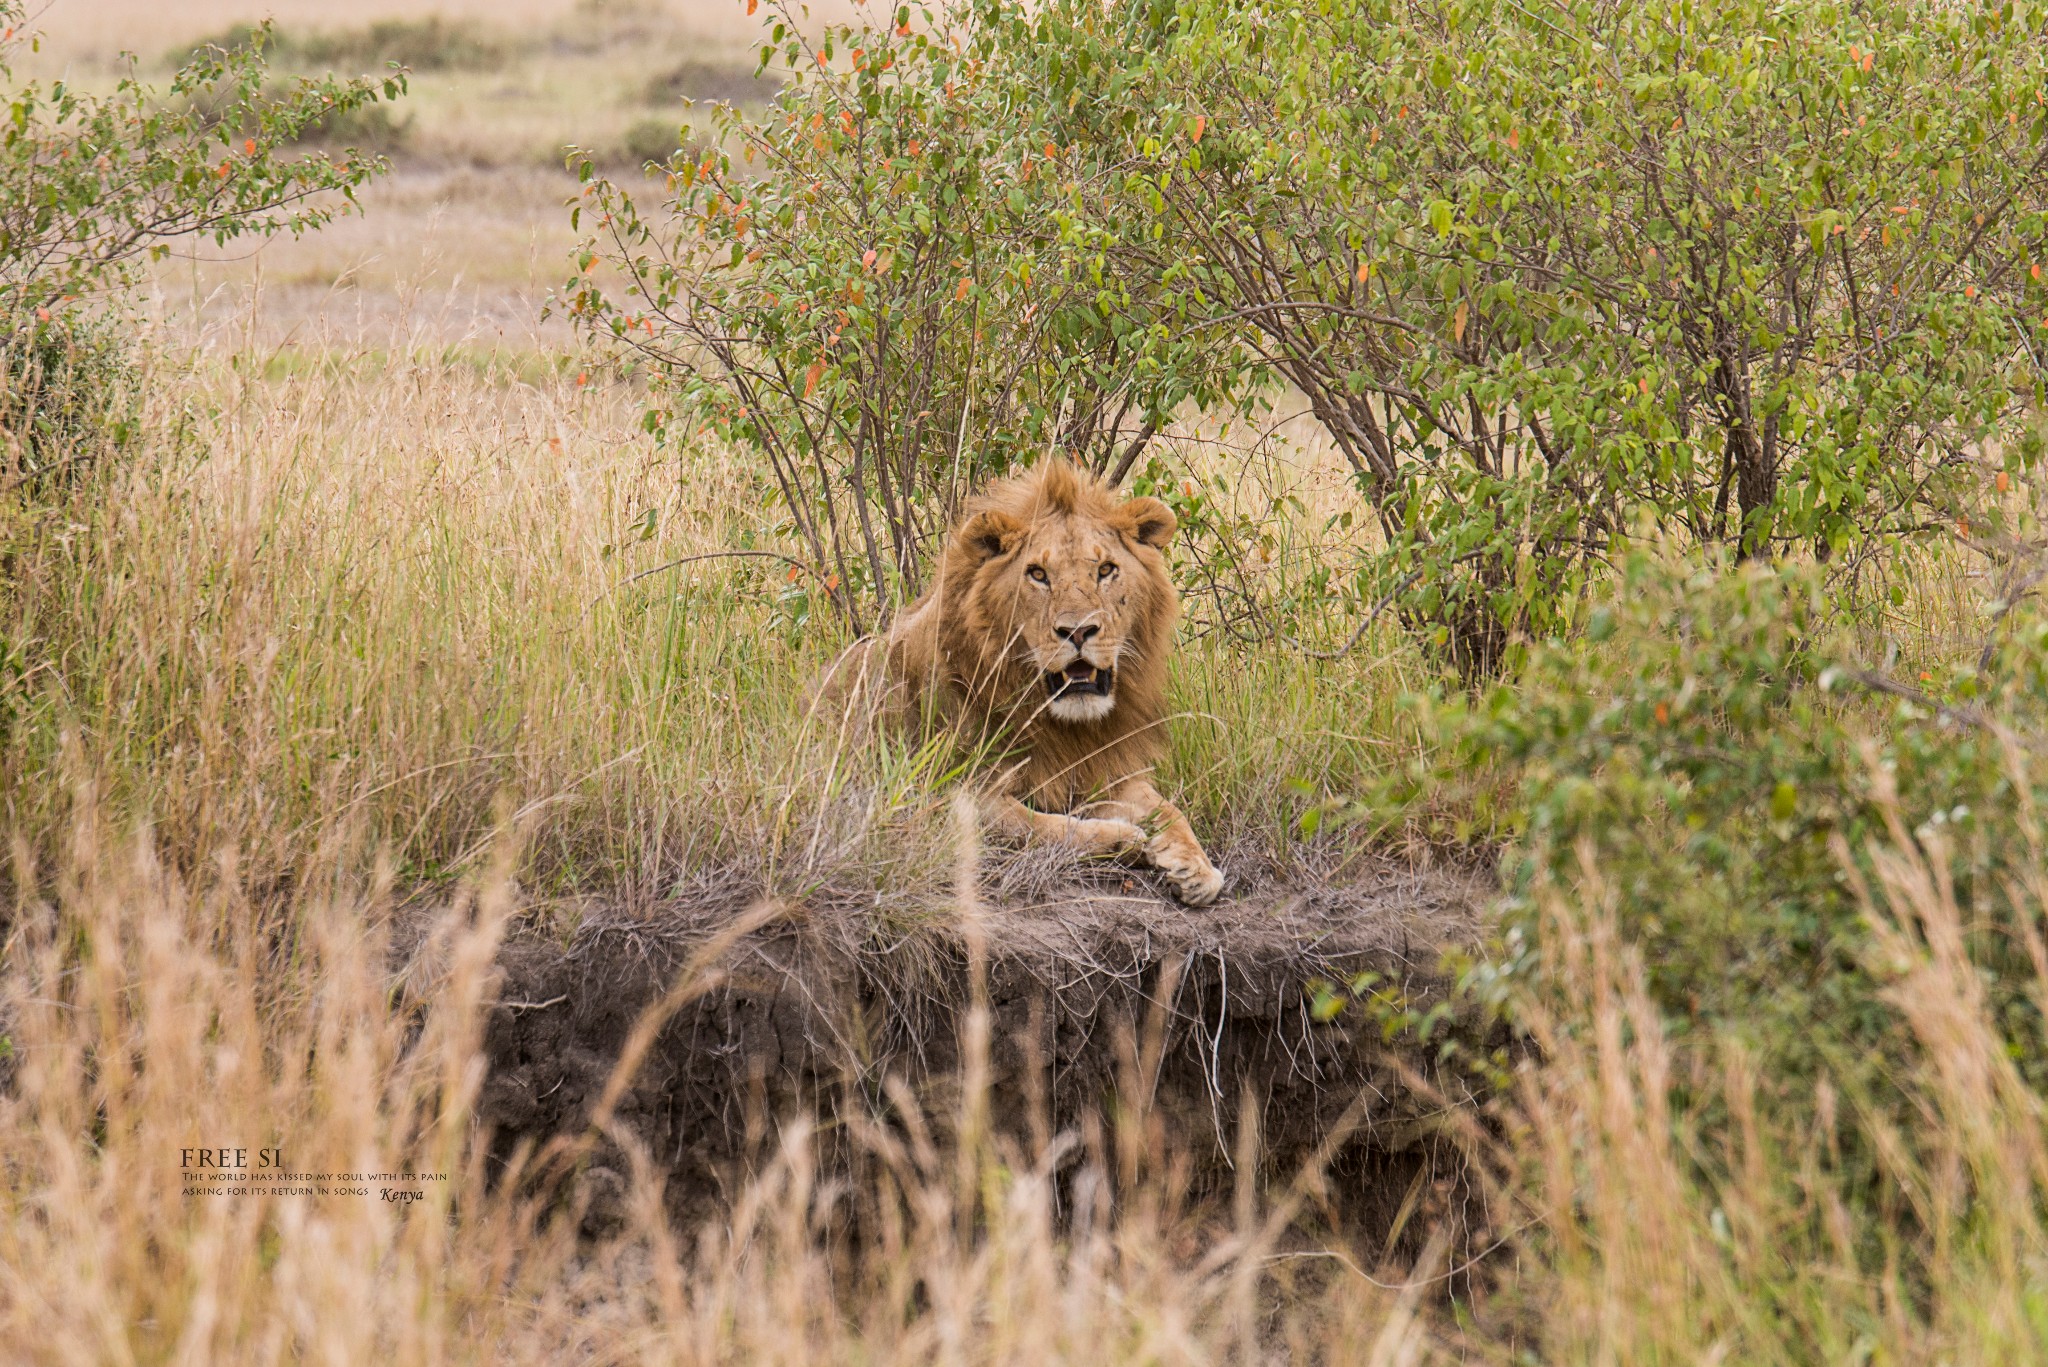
469,234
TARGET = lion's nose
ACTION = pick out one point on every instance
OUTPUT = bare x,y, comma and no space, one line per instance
1077,636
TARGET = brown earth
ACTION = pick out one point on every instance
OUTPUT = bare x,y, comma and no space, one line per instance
1101,994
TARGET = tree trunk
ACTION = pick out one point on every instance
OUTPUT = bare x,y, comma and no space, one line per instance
1756,488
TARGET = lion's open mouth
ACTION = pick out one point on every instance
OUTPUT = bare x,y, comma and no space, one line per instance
1079,680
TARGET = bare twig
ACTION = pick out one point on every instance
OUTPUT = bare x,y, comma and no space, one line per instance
823,582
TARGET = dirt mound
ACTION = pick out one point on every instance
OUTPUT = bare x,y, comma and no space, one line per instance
1094,983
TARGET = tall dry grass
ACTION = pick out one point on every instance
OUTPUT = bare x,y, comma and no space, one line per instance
148,1012
427,592
1672,1213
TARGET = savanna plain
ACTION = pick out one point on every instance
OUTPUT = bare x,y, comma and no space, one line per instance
387,633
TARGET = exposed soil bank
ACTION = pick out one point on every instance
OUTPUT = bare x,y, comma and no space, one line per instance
1094,988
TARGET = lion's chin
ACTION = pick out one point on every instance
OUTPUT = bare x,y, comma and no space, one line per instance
1082,706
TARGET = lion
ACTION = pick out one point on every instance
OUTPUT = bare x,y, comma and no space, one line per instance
1046,630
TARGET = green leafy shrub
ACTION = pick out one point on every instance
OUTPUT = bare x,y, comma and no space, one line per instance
91,186
1773,272
655,142
96,184
706,81
892,288
431,43
1714,759
69,395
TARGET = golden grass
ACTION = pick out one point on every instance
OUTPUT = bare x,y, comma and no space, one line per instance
145,1010
423,591
146,1013
1646,1247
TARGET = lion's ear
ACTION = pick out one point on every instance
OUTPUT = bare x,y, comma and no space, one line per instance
988,534
1151,521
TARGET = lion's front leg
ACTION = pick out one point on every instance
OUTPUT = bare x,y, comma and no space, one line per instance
1089,834
1172,849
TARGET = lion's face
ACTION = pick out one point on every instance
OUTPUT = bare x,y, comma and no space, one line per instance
1075,591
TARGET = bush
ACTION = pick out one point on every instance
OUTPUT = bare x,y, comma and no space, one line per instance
433,43
1773,272
1713,756
888,294
706,82
430,44
655,143
69,395
101,183
1532,273
95,185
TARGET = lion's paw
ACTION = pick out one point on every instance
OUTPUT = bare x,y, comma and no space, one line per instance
1106,835
1198,886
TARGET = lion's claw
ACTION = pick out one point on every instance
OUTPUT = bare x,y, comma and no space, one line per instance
1198,887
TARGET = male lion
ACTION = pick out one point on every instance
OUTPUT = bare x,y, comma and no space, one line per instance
1046,629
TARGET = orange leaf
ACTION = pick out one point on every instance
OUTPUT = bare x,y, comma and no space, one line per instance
753,5
1458,317
248,147
2035,270
790,578
1052,153
1196,127
1514,138
2004,481
966,284
867,259
1663,712
1969,291
583,377
903,30
832,583
43,315
811,377
823,59
1364,270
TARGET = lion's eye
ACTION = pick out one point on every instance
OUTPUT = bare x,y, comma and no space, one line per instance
1037,572
1108,568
